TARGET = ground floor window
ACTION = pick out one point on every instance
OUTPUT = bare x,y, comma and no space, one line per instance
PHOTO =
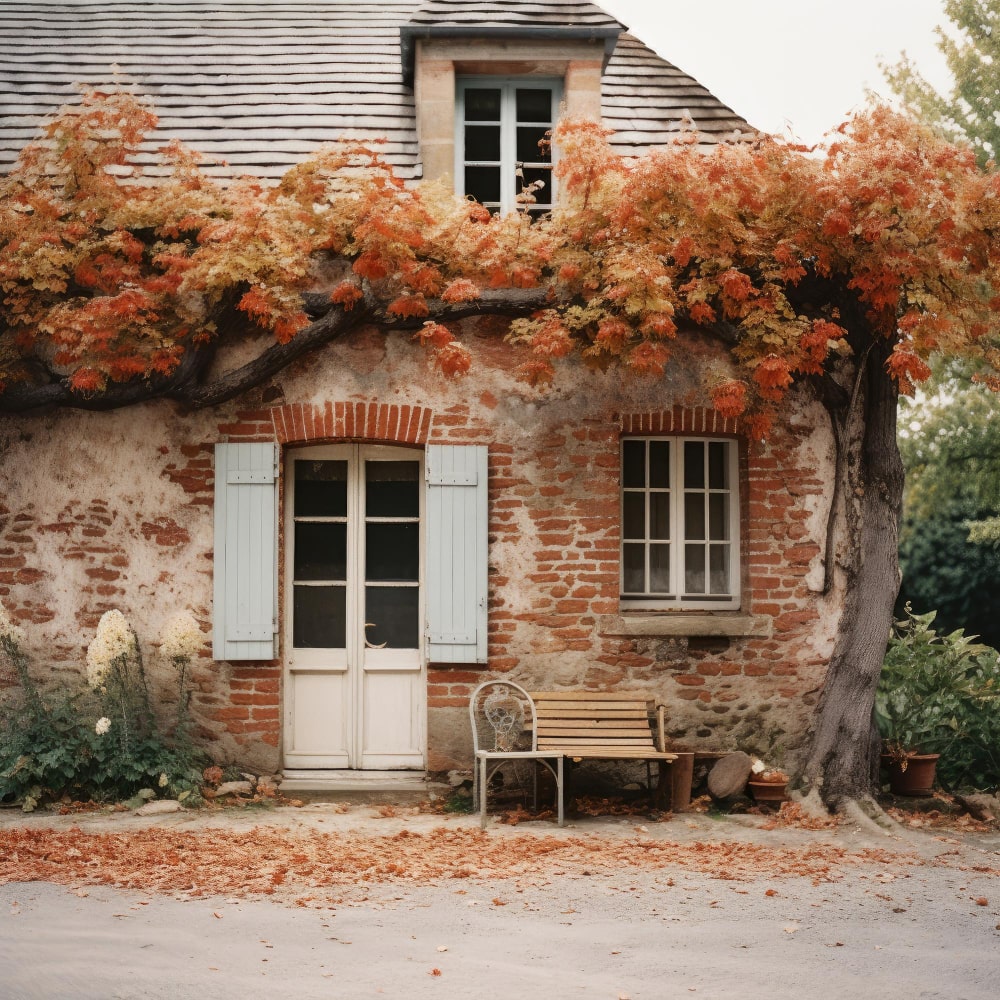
679,523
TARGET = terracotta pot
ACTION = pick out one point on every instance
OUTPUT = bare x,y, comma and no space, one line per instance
913,775
768,791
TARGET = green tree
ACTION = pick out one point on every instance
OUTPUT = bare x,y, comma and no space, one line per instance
948,547
971,112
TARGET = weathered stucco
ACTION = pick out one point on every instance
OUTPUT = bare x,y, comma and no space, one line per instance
106,510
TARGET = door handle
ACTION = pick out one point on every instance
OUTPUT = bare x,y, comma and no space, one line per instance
373,645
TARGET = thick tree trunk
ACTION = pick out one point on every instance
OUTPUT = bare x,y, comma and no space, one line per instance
840,761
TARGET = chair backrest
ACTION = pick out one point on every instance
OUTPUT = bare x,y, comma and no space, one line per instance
502,716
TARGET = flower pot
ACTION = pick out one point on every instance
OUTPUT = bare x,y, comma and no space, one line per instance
911,775
768,791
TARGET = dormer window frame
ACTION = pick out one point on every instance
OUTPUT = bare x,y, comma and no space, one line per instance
508,123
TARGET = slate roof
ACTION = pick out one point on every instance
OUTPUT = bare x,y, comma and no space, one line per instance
261,83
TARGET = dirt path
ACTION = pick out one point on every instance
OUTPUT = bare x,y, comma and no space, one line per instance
318,903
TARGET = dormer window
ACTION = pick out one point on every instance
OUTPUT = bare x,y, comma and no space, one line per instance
500,147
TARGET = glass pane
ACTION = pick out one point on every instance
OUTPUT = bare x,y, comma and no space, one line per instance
634,464
482,104
393,614
659,515
320,618
543,194
320,551
659,569
718,467
634,569
634,515
482,142
659,464
718,568
694,515
392,551
694,569
718,516
320,489
694,465
483,183
392,489
534,105
528,148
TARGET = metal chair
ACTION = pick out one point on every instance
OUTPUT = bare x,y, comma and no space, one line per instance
504,729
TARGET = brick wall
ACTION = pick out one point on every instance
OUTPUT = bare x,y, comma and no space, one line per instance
115,510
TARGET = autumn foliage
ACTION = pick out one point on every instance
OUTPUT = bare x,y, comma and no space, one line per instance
112,275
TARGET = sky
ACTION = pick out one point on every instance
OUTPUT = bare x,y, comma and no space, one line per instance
799,65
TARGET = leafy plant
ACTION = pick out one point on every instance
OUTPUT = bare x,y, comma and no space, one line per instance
941,694
51,746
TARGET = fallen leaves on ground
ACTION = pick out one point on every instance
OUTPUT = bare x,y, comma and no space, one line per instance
791,814
937,819
266,861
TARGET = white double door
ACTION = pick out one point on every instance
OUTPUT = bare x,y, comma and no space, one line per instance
354,691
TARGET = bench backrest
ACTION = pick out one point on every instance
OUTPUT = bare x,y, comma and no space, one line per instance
595,720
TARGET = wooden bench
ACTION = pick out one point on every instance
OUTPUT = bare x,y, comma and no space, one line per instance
591,725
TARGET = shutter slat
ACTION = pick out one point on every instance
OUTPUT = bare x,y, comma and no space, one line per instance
246,538
457,552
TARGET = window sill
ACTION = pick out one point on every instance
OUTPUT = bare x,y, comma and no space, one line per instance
673,623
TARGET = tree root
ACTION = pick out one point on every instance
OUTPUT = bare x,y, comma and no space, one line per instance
867,814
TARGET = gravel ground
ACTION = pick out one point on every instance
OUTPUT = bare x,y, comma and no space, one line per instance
913,914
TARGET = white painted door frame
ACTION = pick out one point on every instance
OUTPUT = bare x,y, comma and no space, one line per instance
356,706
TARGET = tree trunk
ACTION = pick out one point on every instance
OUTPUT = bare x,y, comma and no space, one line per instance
841,756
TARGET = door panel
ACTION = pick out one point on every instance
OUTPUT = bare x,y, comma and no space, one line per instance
355,679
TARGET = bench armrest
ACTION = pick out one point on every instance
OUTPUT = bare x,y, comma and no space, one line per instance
661,734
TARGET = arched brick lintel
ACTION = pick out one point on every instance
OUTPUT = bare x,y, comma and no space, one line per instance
300,423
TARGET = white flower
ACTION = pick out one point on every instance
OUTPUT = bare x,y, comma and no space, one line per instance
103,725
8,630
181,637
164,781
114,638
758,766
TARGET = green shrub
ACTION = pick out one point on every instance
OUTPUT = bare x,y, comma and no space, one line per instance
93,742
941,694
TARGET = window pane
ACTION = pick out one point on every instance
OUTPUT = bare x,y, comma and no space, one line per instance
694,569
392,489
320,489
534,105
718,516
392,551
320,618
659,515
320,551
659,569
634,464
694,465
634,515
634,568
659,464
483,183
718,467
528,148
694,515
393,614
482,142
482,104
543,194
718,565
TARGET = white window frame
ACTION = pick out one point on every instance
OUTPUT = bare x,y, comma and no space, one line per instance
508,85
676,599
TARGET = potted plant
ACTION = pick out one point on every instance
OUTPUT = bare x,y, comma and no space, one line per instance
924,689
768,785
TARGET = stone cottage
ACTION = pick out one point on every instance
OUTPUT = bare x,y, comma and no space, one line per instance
365,539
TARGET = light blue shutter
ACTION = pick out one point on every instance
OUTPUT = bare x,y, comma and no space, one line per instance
246,552
457,552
